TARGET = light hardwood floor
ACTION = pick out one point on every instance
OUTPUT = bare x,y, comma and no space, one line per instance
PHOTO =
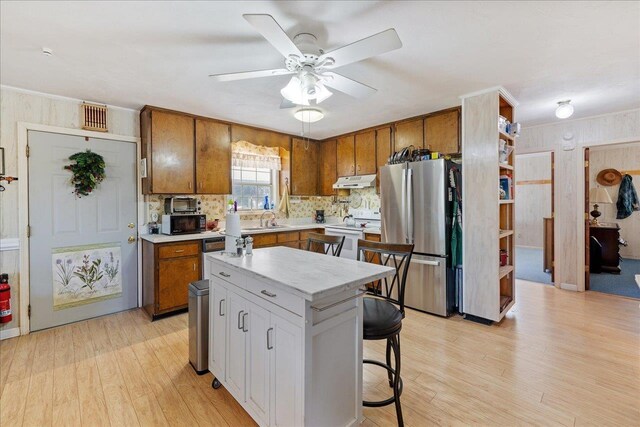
559,358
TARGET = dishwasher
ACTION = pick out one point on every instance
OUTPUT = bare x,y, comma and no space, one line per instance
210,244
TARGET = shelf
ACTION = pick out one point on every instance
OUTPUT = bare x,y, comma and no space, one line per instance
505,233
506,302
505,201
505,136
505,270
506,166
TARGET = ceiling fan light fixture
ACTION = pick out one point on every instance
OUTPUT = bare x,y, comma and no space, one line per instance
309,115
293,92
322,93
564,109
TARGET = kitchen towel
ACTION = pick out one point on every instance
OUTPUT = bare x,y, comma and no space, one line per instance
232,231
284,206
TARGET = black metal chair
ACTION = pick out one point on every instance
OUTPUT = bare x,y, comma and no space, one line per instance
317,242
383,313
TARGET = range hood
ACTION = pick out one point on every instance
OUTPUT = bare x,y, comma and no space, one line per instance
361,181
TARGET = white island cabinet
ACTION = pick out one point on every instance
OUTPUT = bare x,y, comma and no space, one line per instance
286,334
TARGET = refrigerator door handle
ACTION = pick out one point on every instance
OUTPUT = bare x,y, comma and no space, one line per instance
410,205
426,262
403,216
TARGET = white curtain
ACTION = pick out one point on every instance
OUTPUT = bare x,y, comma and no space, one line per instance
247,155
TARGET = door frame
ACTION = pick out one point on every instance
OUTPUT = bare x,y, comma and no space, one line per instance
23,204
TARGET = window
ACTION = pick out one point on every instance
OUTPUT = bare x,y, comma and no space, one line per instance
250,185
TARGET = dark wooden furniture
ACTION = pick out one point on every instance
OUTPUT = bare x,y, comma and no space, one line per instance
607,235
365,147
292,239
328,171
213,157
167,270
442,132
328,245
304,167
409,133
345,153
383,151
547,246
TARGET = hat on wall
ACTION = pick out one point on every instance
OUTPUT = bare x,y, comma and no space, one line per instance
609,177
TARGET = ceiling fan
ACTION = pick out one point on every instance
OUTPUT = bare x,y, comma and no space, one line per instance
311,66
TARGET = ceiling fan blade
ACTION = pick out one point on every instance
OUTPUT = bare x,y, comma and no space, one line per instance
376,44
250,74
346,85
273,32
286,104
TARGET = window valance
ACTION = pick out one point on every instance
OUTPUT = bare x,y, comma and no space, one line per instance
248,155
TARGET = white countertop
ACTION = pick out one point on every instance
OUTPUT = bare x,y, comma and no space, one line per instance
310,275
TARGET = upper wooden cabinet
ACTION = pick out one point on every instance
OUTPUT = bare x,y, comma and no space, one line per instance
365,146
328,171
213,157
345,150
383,151
168,146
409,133
304,167
442,132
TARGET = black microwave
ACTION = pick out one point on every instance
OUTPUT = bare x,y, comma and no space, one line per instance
184,224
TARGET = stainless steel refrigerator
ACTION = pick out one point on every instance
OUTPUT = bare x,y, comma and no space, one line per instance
415,205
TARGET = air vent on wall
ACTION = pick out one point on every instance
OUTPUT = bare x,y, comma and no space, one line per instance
95,117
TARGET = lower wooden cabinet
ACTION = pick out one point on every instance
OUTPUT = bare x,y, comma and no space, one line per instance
167,270
292,239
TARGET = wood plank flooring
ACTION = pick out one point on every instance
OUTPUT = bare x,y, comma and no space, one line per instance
559,358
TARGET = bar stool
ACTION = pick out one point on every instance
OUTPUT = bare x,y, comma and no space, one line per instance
317,242
383,313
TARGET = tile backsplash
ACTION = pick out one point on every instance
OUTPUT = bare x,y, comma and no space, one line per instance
214,206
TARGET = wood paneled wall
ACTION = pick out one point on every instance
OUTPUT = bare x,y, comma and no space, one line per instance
588,132
533,189
620,157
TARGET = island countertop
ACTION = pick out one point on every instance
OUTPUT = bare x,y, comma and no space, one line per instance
310,275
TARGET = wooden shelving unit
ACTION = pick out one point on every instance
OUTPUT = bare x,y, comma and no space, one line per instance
489,227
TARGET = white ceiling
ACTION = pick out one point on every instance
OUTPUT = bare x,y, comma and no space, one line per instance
160,53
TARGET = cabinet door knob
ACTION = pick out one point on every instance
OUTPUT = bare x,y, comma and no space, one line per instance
220,307
240,319
189,185
269,343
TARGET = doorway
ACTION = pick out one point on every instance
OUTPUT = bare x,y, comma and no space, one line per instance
82,250
534,217
612,245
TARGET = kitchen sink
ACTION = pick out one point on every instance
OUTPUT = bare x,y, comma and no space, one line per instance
272,227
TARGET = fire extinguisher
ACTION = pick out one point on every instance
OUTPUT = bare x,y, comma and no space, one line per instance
5,299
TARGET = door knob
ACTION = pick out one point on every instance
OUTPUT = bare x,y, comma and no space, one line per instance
131,239
131,225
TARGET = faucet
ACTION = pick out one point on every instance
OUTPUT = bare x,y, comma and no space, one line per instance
273,214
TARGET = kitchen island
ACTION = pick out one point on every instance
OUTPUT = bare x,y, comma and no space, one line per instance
286,334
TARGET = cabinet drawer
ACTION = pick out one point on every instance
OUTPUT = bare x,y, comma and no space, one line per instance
288,237
223,273
275,296
179,250
267,239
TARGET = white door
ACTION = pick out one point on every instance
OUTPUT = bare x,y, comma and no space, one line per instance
217,328
258,356
286,373
236,347
82,263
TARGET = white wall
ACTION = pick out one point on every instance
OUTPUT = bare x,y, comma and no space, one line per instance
533,191
569,177
621,157
25,106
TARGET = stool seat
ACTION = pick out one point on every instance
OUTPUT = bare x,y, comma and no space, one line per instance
380,318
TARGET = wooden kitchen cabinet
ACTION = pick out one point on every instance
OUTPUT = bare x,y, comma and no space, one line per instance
168,146
167,270
365,153
383,151
442,132
213,157
304,167
409,133
345,152
328,165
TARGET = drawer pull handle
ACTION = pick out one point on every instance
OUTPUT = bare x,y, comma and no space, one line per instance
179,251
267,293
220,307
223,274
245,328
240,320
269,343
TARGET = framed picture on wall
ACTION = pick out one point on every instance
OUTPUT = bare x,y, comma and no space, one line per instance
2,171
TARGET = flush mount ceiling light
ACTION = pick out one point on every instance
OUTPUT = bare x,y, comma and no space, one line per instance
564,110
309,115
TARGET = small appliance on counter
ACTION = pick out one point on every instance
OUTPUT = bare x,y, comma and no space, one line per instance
319,217
184,224
182,205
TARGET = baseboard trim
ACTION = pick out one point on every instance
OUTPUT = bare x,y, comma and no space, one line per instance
569,287
9,244
9,333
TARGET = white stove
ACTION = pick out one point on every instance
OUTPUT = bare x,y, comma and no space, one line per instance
366,220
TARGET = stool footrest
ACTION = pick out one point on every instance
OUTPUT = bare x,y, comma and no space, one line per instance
392,399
